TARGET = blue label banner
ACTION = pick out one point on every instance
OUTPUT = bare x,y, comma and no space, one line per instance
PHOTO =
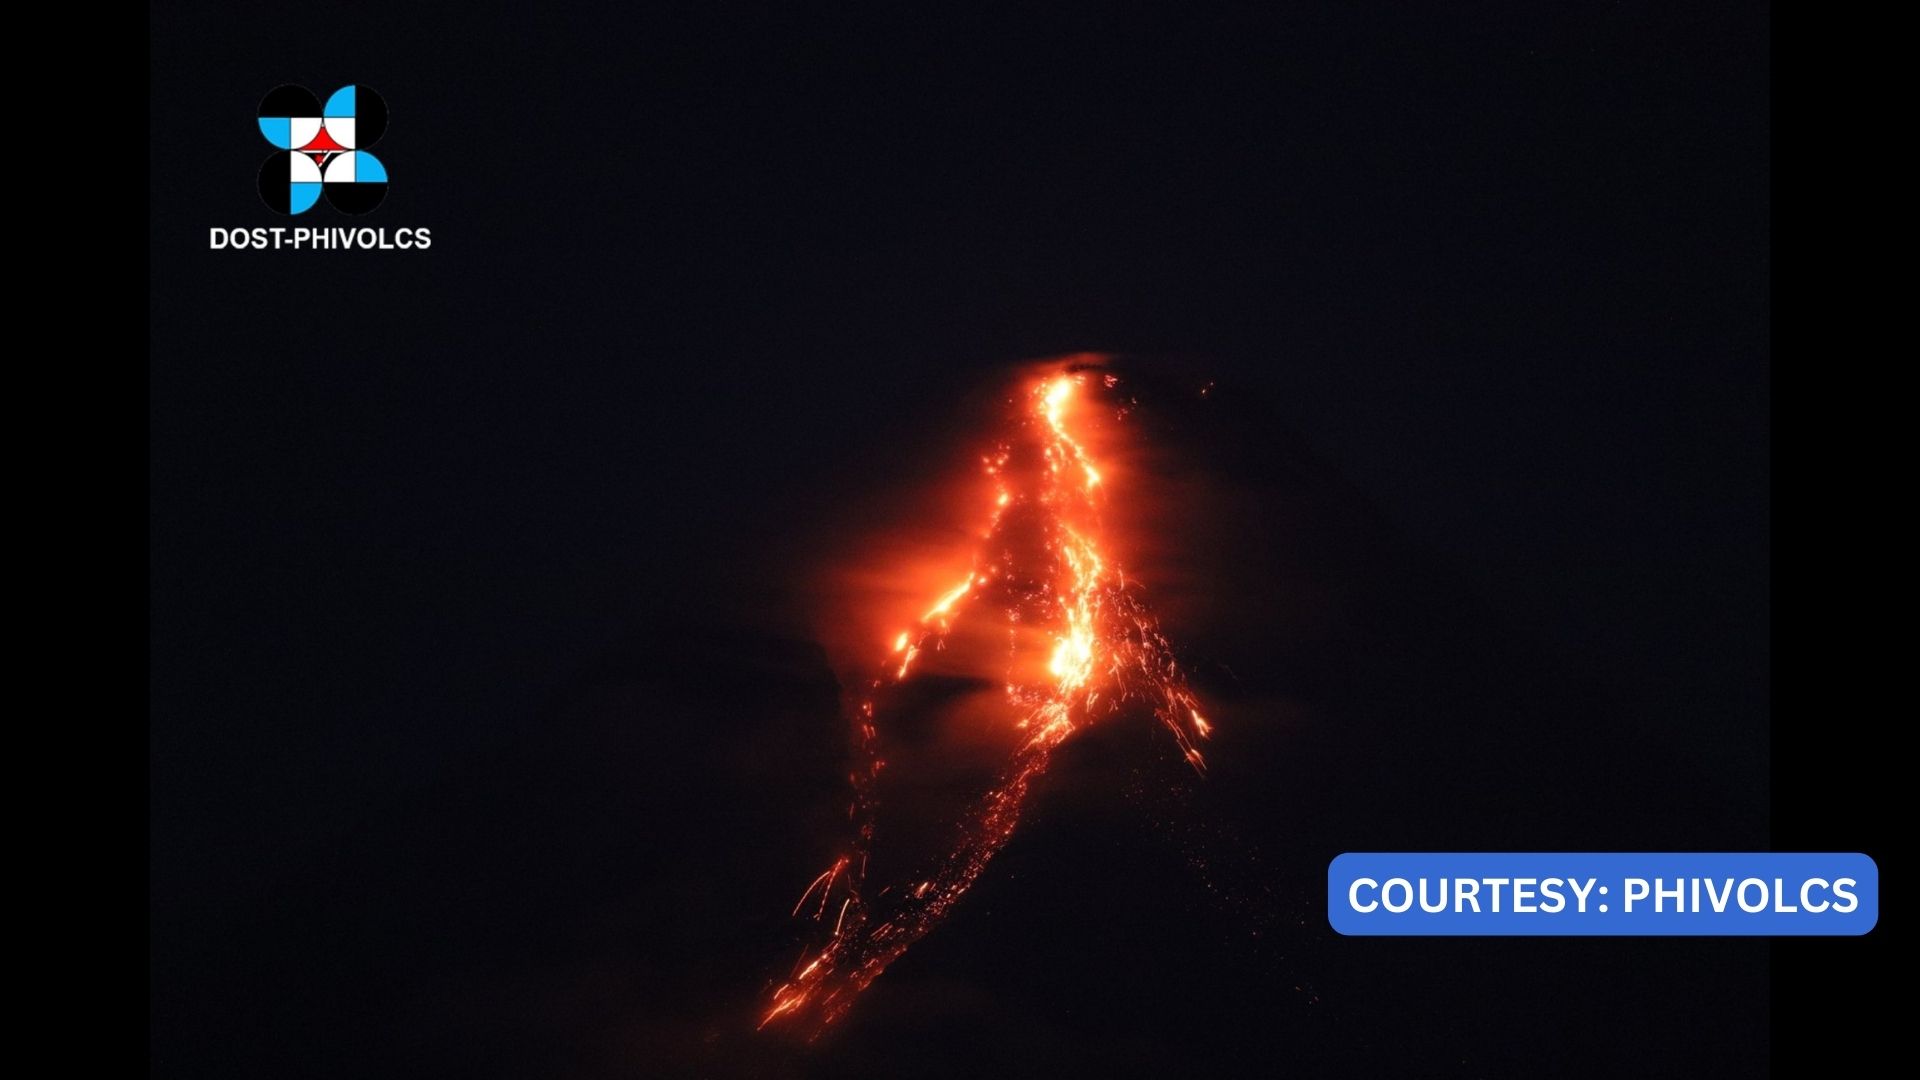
1608,894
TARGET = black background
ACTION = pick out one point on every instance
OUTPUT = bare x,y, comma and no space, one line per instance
487,735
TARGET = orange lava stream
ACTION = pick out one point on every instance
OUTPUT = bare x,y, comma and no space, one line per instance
1041,564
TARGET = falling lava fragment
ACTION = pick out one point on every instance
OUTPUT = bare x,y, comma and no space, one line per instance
1043,570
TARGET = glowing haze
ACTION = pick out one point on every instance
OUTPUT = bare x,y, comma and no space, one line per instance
1078,646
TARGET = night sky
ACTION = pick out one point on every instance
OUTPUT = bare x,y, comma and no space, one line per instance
493,731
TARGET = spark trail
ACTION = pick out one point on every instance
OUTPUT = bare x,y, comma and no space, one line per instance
1042,570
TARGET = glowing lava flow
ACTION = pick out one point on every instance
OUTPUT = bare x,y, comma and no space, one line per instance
1042,566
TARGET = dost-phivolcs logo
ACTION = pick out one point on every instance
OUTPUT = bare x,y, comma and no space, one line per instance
321,150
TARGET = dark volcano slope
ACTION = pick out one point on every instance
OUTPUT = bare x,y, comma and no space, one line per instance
608,895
